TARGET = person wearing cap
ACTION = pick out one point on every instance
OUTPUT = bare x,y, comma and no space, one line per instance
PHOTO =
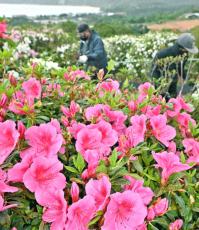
92,51
184,45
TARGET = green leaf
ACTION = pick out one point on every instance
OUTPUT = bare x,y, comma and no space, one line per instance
79,162
95,219
161,221
113,158
137,166
102,168
71,169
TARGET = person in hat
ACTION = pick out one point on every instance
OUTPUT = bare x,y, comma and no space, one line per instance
92,51
176,57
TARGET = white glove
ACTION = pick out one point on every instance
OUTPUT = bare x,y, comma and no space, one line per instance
83,59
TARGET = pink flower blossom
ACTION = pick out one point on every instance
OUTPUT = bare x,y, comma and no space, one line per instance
185,120
176,225
176,107
21,105
159,208
55,208
192,149
75,128
21,129
135,133
32,88
184,105
70,112
44,173
3,100
163,132
170,163
125,211
44,139
96,112
74,191
132,105
144,88
80,213
109,135
152,111
4,187
117,119
100,190
137,186
16,173
108,86
3,28
88,139
8,139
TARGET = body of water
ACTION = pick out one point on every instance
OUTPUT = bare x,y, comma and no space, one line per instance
9,10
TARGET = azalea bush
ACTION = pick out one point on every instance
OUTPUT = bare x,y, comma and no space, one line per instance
85,154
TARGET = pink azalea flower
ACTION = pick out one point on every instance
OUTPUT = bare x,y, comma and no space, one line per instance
88,139
152,111
135,133
117,119
8,139
80,213
21,105
95,112
32,88
184,105
100,190
90,172
92,156
176,225
4,187
141,227
109,135
184,120
170,163
21,129
16,173
44,173
3,28
44,139
137,186
74,191
144,88
132,105
3,100
192,149
2,207
125,211
163,132
75,128
159,208
176,107
108,86
70,112
55,208
171,147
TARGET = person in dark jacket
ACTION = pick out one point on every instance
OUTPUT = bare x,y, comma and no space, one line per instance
171,61
92,52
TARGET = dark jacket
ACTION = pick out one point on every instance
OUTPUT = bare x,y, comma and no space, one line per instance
173,51
94,50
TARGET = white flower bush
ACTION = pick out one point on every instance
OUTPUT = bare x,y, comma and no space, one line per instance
136,53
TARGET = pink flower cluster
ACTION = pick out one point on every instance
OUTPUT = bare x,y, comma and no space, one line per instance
108,86
22,102
75,75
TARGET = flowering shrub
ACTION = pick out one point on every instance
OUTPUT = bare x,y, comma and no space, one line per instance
80,155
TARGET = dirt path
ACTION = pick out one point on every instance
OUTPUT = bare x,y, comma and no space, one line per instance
183,25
